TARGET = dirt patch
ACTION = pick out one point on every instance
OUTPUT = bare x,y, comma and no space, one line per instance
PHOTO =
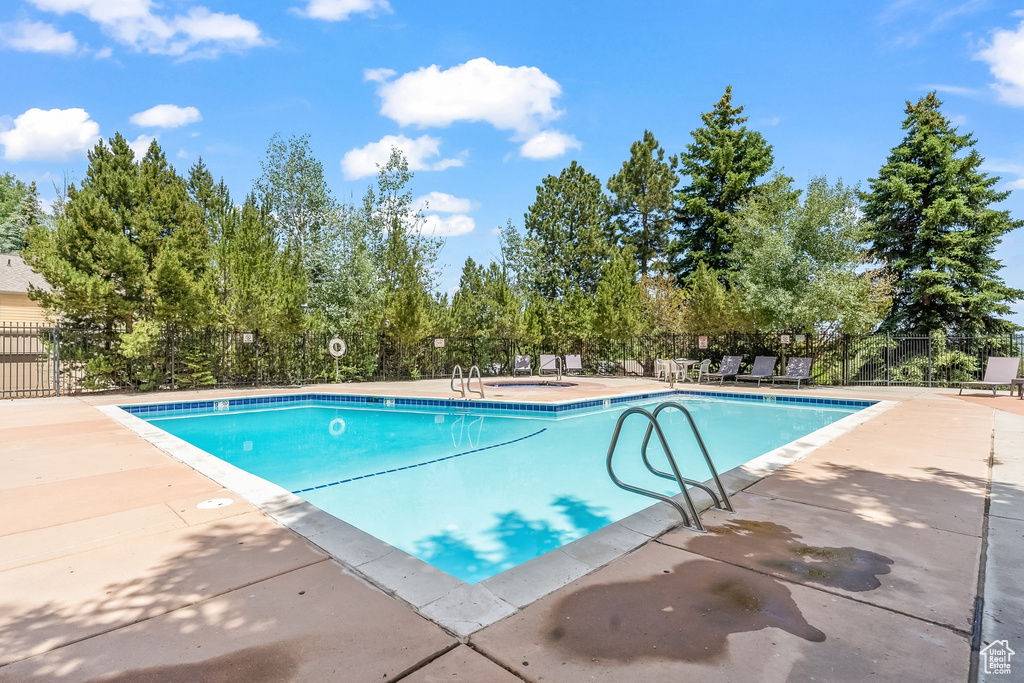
262,664
686,614
778,549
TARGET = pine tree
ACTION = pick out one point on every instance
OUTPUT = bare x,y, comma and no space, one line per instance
935,232
569,223
643,202
724,162
19,211
617,312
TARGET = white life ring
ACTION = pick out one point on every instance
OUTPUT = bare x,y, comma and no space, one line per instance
337,427
337,347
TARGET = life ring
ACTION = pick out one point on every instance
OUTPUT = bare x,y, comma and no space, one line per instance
337,347
337,427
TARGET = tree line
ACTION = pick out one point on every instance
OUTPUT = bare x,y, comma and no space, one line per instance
713,238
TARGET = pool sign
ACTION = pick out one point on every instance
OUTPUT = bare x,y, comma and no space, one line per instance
247,337
784,339
439,343
702,342
801,338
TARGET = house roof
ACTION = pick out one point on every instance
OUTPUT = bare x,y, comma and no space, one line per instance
16,276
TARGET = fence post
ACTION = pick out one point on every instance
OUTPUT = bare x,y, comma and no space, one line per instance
56,357
888,377
173,354
929,360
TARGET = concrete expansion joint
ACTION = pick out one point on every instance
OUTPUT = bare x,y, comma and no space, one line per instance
491,658
424,662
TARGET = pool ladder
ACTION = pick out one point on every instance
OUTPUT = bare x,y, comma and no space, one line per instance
721,500
467,384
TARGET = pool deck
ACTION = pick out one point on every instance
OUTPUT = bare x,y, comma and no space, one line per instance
863,560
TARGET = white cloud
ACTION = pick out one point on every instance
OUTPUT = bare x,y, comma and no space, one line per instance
1005,58
508,98
951,89
340,10
442,202
363,161
378,75
548,144
37,36
1016,184
166,116
140,145
447,226
104,53
54,135
197,33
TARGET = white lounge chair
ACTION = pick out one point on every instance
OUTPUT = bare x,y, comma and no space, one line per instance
549,363
522,365
998,373
574,364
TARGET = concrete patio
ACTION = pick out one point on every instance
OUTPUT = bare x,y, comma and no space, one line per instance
864,560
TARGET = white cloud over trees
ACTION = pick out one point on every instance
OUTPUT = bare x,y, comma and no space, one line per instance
166,116
419,153
49,135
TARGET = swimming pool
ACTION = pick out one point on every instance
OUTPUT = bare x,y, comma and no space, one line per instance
477,487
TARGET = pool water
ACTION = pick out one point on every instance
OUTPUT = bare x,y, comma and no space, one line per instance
475,492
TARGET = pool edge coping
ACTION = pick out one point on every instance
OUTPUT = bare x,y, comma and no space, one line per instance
459,607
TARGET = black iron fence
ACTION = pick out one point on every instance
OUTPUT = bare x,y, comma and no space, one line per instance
38,360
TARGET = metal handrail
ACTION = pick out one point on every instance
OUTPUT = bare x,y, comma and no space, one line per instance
653,424
462,382
469,382
704,449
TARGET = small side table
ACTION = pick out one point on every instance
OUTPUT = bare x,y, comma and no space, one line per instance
1017,384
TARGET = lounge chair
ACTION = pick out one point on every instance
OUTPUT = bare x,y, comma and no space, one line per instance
764,368
574,364
549,363
998,373
522,365
797,370
730,367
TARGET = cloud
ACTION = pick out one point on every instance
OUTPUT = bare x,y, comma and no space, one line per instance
197,33
548,144
104,53
37,36
140,145
447,226
509,98
54,135
166,116
1005,58
951,89
340,10
363,161
1016,184
443,203
378,75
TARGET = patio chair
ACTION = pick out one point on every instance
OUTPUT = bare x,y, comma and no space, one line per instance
764,368
549,363
574,364
999,372
522,365
797,370
660,368
730,367
703,369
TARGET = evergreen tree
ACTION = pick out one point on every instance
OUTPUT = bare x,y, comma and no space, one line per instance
568,222
643,202
724,162
617,313
19,211
935,232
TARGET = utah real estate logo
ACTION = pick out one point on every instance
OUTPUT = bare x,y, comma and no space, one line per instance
997,657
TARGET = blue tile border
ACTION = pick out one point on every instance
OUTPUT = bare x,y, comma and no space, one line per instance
179,407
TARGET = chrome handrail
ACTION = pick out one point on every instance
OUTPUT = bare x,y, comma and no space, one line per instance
653,424
703,448
462,382
469,382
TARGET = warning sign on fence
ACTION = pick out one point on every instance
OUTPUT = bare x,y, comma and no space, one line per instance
702,342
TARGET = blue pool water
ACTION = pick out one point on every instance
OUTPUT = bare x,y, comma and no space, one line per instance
475,491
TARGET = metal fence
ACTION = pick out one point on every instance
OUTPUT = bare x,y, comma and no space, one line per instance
38,360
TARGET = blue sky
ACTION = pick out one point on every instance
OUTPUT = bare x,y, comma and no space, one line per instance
489,98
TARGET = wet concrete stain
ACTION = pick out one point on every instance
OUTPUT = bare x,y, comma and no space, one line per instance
778,549
685,614
275,663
